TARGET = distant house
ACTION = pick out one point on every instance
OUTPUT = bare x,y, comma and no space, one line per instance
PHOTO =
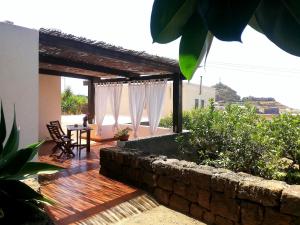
192,98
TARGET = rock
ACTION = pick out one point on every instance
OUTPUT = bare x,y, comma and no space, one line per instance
165,167
179,203
200,178
204,199
192,194
251,213
223,221
179,189
265,192
273,217
165,183
146,162
290,200
196,211
162,196
133,175
225,207
209,217
150,179
226,182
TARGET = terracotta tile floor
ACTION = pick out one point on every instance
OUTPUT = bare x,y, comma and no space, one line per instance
79,191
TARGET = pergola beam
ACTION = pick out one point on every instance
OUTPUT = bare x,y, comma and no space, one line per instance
77,45
63,74
91,101
84,66
177,103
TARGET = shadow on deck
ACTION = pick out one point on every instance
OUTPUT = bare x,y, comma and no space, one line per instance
83,196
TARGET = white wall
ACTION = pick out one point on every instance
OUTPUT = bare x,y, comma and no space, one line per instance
19,79
49,103
191,91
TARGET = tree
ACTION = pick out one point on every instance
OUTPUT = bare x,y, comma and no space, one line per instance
198,21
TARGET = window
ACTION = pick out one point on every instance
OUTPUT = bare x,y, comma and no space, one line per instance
202,103
196,103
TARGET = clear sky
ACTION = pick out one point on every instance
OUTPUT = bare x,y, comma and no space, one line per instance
255,67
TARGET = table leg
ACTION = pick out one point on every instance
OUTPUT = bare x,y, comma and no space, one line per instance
88,140
69,134
69,143
77,139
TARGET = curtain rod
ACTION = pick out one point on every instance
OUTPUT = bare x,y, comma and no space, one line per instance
144,78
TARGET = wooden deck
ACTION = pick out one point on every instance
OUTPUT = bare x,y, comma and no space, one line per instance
83,196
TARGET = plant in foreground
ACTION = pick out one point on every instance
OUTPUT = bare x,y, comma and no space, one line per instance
19,203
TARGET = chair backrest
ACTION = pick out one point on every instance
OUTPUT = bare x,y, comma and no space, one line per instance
57,123
54,132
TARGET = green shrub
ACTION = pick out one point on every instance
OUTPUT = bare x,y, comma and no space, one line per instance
73,104
239,139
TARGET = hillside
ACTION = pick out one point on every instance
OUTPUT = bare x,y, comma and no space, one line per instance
225,93
266,105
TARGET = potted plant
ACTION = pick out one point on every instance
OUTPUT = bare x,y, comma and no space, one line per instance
123,134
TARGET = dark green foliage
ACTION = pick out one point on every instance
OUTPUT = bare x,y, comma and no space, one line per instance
278,20
73,104
241,140
191,45
15,165
169,18
227,19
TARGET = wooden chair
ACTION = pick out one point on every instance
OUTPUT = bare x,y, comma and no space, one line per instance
62,143
57,123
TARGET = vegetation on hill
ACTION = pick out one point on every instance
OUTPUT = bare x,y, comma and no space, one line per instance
225,93
73,104
239,139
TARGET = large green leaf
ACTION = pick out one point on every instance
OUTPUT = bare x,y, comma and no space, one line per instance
36,147
169,17
12,143
226,19
192,46
32,168
279,25
294,8
19,190
15,163
2,128
206,48
253,23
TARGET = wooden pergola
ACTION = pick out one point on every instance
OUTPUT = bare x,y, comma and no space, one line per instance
66,55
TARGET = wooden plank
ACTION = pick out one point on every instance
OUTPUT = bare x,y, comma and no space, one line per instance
177,103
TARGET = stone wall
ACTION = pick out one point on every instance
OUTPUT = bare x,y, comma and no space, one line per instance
164,144
215,196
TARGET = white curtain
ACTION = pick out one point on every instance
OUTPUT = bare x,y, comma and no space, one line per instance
155,94
101,96
115,100
136,103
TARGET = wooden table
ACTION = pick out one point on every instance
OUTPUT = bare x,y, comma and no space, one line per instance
77,128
